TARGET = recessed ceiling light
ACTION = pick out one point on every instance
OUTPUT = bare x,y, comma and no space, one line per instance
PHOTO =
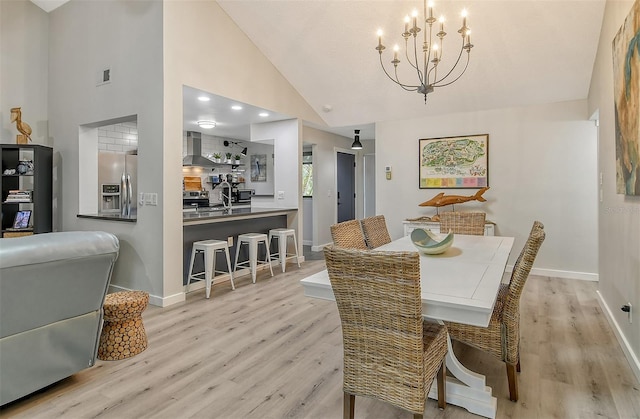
207,124
263,114
204,98
236,107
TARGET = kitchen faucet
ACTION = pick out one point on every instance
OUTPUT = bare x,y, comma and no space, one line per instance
227,204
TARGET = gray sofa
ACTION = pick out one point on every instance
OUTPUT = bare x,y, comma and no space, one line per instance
52,288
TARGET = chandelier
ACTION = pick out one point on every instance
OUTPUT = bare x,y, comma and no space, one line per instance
429,75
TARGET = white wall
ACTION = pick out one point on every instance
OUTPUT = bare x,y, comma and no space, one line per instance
542,166
324,187
84,37
287,166
619,215
24,60
307,222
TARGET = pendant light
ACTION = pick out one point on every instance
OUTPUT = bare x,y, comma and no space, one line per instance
357,145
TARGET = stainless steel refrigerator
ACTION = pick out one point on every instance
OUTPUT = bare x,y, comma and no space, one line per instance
117,181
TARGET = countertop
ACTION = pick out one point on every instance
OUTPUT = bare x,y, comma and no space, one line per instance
215,214
203,215
111,217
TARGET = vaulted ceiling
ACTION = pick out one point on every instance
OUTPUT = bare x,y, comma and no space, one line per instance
525,52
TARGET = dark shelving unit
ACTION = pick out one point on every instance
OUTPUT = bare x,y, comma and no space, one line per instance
40,182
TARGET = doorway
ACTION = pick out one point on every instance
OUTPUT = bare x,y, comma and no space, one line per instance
346,186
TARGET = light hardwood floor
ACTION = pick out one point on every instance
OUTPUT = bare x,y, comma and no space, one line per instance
267,351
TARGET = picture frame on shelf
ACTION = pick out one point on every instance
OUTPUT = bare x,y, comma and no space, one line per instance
21,220
460,162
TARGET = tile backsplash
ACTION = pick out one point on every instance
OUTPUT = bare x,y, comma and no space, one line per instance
118,138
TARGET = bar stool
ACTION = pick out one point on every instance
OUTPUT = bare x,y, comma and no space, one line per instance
209,248
253,239
283,234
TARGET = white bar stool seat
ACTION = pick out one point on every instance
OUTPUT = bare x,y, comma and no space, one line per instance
283,234
209,248
252,240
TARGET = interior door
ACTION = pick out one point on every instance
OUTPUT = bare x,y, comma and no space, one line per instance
346,195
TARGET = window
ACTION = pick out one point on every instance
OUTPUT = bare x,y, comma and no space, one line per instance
307,174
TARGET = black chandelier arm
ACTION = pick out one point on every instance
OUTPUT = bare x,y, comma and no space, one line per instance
396,81
407,87
421,75
435,70
427,56
453,67
456,79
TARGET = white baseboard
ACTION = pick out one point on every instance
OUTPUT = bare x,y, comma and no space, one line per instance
319,248
154,299
556,273
307,242
622,340
194,286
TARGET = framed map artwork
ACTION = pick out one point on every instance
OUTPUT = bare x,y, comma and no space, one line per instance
454,162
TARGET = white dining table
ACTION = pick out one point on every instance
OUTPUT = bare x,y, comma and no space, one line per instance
459,285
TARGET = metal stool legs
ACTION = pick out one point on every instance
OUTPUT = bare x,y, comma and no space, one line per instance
282,234
209,248
252,240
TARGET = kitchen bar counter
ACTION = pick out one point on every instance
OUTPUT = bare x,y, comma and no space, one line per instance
216,215
219,224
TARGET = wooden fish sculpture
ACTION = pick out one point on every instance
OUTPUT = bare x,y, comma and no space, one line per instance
441,199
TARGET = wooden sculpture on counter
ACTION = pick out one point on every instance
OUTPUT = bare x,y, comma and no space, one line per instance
441,200
23,127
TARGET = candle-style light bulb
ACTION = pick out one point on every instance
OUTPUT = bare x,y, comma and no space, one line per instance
380,37
441,23
406,23
415,18
464,18
396,48
430,5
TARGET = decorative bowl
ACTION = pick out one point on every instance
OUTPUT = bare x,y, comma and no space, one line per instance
431,243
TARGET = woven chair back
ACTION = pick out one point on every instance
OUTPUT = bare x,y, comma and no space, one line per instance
375,231
378,297
463,222
348,234
537,226
511,310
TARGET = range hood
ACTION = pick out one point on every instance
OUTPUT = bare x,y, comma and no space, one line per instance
194,151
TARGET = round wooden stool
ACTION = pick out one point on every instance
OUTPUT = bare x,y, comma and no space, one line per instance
123,333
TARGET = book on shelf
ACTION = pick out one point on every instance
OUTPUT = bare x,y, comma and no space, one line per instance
16,195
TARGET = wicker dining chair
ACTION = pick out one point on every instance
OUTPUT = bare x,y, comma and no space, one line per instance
502,337
463,222
390,353
348,234
375,231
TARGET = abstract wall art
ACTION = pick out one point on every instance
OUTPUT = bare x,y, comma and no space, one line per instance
626,85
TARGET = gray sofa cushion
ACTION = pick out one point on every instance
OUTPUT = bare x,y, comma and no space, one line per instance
52,289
